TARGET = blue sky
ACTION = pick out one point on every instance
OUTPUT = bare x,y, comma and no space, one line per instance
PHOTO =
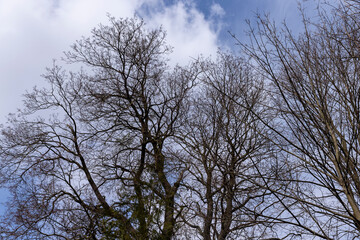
34,32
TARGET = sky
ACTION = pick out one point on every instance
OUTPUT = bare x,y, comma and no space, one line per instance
35,32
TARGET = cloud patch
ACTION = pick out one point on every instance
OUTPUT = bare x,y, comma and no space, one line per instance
187,30
217,10
33,32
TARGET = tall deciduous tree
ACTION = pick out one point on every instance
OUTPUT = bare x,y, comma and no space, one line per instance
228,146
316,90
91,156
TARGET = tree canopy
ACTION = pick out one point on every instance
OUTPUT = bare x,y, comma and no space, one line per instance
258,146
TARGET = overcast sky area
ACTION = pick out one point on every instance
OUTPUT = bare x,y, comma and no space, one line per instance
34,32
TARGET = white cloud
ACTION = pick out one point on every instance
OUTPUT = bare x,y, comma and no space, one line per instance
33,32
188,31
217,10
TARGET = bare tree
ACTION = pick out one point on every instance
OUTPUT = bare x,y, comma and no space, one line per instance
92,156
227,145
316,90
131,148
